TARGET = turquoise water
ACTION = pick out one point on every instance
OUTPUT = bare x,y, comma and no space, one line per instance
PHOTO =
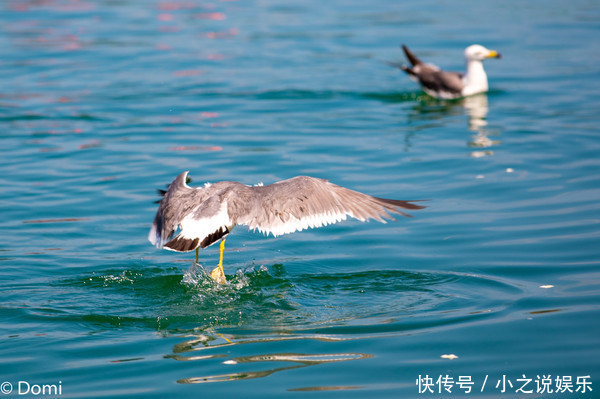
103,102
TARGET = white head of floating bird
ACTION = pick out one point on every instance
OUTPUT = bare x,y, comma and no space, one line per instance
206,215
448,85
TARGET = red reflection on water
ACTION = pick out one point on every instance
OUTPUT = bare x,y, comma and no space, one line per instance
167,28
20,96
222,34
64,5
163,47
66,42
213,148
62,220
188,72
184,148
71,46
19,7
91,144
209,114
215,57
175,5
196,148
215,16
165,17
76,5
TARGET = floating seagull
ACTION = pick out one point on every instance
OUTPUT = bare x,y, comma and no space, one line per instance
205,215
449,85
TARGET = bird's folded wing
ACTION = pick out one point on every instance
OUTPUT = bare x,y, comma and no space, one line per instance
174,205
439,81
195,211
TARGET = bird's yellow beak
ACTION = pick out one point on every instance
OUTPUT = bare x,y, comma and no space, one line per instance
494,54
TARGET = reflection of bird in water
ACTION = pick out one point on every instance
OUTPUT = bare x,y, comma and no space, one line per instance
206,215
449,85
477,109
187,351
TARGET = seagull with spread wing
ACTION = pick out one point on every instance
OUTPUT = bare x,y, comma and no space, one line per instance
206,215
449,85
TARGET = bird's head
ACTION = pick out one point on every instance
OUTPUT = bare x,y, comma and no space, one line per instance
476,52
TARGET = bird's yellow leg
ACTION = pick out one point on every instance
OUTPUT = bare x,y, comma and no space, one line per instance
218,274
222,248
197,254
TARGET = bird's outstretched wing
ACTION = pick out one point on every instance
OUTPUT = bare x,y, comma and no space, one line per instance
304,202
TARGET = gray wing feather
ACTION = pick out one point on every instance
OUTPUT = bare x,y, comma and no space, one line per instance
435,81
303,202
438,81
